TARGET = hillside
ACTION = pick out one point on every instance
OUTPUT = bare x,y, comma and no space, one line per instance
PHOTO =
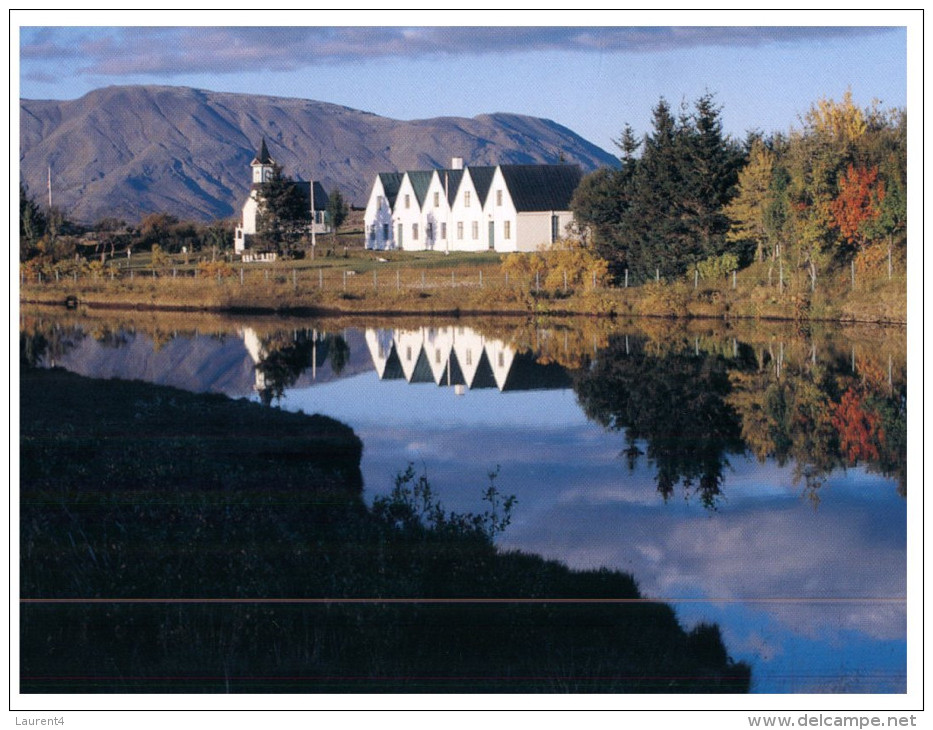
126,151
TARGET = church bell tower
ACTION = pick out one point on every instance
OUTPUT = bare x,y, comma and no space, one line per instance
262,165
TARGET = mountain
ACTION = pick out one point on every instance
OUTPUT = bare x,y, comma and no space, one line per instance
126,151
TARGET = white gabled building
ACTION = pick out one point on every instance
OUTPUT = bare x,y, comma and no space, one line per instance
504,208
262,169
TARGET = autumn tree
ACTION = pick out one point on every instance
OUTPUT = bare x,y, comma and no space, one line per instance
858,206
749,210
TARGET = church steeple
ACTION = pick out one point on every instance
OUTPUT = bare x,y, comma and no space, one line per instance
262,164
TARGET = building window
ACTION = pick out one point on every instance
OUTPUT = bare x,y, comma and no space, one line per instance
437,200
459,230
385,231
372,234
501,359
498,197
437,356
408,353
469,357
379,200
414,231
408,201
466,198
555,228
443,231
475,230
507,229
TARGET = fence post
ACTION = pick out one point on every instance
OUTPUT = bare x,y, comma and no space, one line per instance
852,266
422,279
452,280
344,280
320,278
626,278
56,275
506,278
696,278
657,275
398,283
375,281
295,279
480,278
565,282
241,276
537,281
733,278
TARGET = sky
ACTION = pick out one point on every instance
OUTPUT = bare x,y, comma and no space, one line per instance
593,79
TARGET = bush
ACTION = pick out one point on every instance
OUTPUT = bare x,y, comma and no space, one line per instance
717,267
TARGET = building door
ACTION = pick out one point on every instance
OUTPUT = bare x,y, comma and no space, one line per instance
555,228
399,241
492,235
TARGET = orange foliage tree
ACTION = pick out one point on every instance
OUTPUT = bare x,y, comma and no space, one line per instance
858,205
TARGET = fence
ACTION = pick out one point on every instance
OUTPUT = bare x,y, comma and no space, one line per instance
395,278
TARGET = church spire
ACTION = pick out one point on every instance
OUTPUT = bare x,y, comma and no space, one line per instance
262,157
262,164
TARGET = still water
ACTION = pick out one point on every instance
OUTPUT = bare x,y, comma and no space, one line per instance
751,476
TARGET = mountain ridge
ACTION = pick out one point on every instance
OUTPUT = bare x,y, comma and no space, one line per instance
126,151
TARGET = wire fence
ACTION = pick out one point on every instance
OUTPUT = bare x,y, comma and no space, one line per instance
389,278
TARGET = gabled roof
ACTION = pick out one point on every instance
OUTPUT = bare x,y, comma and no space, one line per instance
420,182
452,179
391,182
482,179
262,157
541,187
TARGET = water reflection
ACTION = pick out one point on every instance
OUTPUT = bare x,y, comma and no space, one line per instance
600,428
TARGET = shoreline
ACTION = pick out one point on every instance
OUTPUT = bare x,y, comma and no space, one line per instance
73,302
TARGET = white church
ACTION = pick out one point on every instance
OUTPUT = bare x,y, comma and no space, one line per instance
262,167
504,208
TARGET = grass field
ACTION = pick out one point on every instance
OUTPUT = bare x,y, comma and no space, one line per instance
385,282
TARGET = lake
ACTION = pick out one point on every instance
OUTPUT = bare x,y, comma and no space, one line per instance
751,475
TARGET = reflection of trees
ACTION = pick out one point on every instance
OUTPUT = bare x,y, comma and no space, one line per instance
285,360
43,343
694,405
675,402
823,417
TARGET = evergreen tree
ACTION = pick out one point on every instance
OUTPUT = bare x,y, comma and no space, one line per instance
283,214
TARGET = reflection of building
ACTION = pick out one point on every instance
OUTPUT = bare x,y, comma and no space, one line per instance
263,166
503,208
458,357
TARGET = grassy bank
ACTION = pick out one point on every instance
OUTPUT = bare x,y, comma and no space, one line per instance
172,542
434,283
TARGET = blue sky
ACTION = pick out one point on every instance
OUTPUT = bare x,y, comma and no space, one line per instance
764,73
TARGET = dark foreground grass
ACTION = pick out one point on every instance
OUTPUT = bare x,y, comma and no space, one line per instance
173,542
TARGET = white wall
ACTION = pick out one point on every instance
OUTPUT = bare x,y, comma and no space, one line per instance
378,215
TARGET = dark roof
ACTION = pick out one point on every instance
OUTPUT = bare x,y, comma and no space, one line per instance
391,182
262,157
452,179
541,187
482,179
320,196
527,373
420,182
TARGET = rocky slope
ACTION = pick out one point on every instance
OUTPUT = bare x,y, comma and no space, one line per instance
126,151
